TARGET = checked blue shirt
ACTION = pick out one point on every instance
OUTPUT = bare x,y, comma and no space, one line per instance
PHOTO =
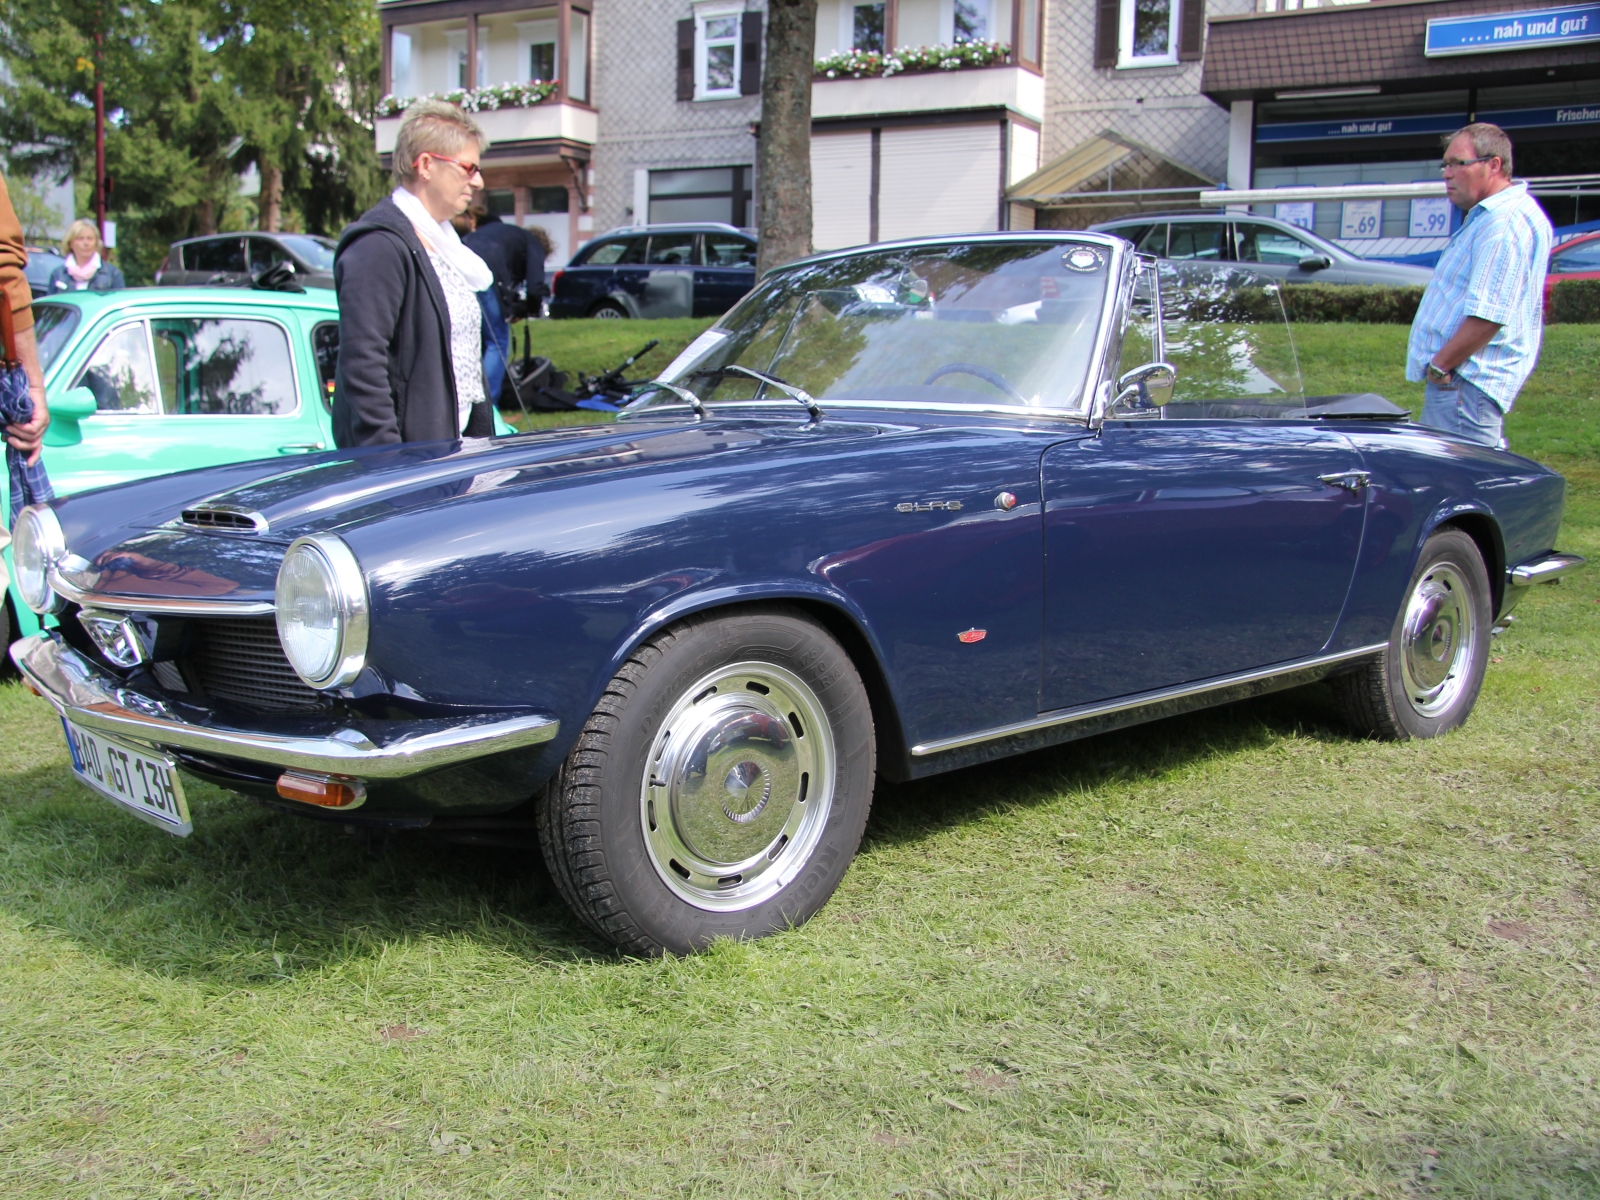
1493,269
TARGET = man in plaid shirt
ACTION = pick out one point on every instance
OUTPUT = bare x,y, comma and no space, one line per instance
1475,339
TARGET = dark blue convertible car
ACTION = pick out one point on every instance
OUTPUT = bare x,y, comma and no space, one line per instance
903,509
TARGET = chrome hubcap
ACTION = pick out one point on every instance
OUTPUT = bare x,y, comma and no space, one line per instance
738,786
1437,640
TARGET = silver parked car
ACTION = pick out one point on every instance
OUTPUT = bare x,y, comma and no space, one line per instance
1271,247
240,259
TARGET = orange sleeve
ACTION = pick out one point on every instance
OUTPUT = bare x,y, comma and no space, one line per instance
13,261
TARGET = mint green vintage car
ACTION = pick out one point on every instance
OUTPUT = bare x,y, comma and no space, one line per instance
153,380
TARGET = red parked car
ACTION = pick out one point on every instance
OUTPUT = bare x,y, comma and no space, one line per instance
1577,259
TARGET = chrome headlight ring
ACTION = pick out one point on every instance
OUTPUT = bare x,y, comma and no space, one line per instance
322,611
37,548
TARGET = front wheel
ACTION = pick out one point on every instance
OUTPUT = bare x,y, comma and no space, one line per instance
1428,677
608,311
720,788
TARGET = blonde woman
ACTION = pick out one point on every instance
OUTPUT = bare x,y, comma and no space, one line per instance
85,268
410,328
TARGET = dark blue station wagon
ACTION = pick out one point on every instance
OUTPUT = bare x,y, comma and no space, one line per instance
698,270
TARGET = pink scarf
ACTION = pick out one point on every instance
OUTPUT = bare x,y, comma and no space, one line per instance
84,273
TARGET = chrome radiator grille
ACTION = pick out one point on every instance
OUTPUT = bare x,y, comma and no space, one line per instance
240,661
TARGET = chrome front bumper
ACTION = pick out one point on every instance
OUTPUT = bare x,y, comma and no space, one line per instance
89,697
1547,568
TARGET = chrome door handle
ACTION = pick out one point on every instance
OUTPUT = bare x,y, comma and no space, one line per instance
1352,481
301,448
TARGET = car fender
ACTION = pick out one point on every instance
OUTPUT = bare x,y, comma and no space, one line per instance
622,298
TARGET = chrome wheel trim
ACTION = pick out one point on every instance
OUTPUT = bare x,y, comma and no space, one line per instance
1437,640
609,312
738,786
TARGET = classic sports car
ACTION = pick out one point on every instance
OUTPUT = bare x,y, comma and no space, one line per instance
147,381
904,509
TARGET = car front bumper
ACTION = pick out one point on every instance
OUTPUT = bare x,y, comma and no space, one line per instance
378,749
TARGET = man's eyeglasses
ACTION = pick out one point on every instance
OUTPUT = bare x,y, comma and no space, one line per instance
467,169
1455,164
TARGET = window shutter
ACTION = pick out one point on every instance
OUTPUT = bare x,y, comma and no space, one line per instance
1191,30
1107,28
750,56
686,59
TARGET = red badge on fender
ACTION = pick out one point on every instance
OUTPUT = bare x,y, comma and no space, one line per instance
972,635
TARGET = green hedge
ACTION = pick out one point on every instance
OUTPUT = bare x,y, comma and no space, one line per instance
1575,302
1322,303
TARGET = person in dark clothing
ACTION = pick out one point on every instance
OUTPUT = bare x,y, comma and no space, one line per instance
517,260
410,327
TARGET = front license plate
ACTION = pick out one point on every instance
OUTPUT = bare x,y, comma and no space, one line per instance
145,784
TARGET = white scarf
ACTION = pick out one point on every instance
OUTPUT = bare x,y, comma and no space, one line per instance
440,238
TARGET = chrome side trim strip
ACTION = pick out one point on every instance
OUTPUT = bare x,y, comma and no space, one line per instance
1545,569
80,691
1084,712
181,606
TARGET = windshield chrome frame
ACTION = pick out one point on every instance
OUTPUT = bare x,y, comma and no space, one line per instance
1118,291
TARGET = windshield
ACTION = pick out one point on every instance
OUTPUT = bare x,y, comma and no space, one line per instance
992,322
52,328
317,252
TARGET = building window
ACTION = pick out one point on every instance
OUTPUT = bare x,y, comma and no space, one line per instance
400,63
710,194
456,58
1149,33
717,49
536,50
971,23
578,55
868,32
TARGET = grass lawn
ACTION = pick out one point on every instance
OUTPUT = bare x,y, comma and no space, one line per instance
1237,953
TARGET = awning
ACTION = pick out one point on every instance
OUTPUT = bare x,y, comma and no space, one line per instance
1108,167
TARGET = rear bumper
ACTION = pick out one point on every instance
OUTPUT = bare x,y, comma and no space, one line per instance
91,698
1547,568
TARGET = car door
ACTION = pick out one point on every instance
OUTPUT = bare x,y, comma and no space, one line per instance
1198,241
1279,254
217,261
185,388
726,272
669,281
1212,534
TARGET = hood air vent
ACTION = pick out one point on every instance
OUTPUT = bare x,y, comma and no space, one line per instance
230,518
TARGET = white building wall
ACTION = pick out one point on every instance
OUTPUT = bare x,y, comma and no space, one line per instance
1160,106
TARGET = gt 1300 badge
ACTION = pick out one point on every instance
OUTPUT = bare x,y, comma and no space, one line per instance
929,506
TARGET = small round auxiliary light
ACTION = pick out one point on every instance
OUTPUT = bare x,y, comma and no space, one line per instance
325,791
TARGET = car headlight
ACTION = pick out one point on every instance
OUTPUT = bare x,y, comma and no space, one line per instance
37,545
322,611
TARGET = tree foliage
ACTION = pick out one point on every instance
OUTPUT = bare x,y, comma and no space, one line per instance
197,91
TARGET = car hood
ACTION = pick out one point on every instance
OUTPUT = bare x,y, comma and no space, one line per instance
156,553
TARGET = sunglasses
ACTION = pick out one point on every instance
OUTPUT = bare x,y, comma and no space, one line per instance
467,169
1455,164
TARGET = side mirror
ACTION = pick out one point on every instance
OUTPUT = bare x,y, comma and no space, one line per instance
1315,262
1135,387
66,410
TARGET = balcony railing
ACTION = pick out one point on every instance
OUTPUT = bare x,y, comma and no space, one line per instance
479,100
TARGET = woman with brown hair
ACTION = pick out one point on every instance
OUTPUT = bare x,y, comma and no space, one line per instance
410,328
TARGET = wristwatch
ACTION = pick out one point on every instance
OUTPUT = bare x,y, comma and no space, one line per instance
1436,374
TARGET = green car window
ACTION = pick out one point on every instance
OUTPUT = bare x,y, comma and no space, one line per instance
53,326
223,365
120,373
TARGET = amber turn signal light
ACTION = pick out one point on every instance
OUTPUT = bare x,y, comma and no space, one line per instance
325,791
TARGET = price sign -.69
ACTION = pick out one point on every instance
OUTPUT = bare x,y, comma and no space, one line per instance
1361,219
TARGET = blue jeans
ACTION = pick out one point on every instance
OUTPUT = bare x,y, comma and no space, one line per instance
1464,410
496,344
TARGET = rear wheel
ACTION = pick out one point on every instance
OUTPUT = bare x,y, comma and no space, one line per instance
608,310
1428,677
720,788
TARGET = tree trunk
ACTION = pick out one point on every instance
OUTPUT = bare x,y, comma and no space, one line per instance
205,216
783,157
270,203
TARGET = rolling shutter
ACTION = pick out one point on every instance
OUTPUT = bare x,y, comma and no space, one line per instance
937,179
686,59
1107,28
750,56
841,189
1191,30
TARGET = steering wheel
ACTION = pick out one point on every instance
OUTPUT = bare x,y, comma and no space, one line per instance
993,378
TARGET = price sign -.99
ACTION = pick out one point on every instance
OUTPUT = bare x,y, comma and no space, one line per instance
1361,219
1430,217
